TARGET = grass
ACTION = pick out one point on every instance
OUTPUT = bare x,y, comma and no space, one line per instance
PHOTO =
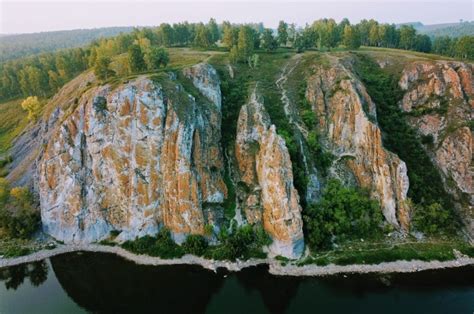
13,120
375,253
10,248
404,53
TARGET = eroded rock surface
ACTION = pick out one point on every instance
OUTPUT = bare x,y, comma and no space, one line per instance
265,168
134,158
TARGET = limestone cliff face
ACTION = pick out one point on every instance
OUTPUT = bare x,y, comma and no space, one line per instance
347,123
134,158
439,101
265,169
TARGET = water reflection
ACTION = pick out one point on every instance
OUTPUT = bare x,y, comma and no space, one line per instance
104,283
14,277
276,292
111,285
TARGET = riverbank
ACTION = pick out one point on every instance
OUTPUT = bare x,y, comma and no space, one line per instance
275,266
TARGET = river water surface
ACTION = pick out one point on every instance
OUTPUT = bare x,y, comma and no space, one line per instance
104,283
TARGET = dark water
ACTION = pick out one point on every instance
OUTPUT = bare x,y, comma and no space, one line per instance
103,283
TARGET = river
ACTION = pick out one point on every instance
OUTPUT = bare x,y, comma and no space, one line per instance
105,283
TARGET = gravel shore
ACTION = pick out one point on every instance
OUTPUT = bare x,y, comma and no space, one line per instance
275,267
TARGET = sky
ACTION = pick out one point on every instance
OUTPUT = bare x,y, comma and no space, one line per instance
20,16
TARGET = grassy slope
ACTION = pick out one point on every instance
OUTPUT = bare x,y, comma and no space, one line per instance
13,119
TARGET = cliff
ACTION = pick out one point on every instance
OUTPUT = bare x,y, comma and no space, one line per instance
265,169
347,122
439,101
133,156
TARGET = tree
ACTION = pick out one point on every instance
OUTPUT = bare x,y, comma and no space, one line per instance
166,35
54,81
341,26
282,33
464,47
213,30
230,35
374,35
202,38
407,37
327,33
18,216
245,44
136,58
351,38
157,57
443,45
292,33
4,190
102,68
121,65
422,43
431,219
33,106
342,213
195,244
269,42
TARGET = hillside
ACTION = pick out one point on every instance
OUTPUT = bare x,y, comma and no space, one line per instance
24,45
309,150
447,29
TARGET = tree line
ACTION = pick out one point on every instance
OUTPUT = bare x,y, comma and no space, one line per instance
24,45
144,49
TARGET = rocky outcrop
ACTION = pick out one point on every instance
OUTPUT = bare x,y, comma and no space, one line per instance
439,101
134,158
348,128
266,171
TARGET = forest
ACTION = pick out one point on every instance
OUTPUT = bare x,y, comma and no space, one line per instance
143,49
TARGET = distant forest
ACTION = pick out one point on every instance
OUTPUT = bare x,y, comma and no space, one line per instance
23,45
451,30
144,49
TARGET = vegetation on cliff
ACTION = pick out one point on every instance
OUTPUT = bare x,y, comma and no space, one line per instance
241,243
342,214
255,57
19,217
426,185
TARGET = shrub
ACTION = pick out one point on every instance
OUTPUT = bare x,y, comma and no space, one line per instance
431,219
195,244
343,213
162,245
243,243
18,216
33,106
4,191
427,139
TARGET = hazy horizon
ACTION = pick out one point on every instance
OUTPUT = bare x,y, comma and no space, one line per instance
42,16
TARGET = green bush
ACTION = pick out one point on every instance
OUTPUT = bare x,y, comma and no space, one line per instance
343,213
15,251
195,244
243,243
431,219
162,245
19,218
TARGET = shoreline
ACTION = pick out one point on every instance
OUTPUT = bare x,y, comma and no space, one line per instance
275,267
